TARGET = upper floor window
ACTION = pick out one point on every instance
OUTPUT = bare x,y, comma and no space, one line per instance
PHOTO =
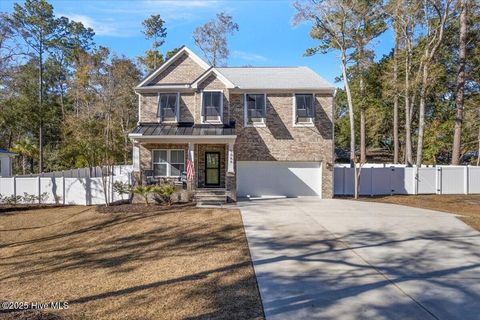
168,106
255,109
304,109
212,106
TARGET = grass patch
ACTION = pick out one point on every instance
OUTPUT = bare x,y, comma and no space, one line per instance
178,263
466,206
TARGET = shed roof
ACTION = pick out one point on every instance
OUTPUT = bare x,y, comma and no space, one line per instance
183,129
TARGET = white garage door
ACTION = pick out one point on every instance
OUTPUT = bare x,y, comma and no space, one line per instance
279,178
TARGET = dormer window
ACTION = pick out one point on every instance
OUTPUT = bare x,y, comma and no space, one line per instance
212,106
168,105
304,109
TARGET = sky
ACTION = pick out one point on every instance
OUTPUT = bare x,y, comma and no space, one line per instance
266,35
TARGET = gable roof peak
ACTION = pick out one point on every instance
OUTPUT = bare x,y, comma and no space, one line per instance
183,50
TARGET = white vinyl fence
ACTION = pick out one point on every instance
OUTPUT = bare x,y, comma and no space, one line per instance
82,172
384,180
66,190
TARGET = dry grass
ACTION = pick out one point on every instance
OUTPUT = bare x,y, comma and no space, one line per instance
185,263
466,206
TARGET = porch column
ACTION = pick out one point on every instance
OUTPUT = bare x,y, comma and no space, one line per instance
136,157
231,167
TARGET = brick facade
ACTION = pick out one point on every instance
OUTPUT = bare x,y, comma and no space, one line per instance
279,140
183,70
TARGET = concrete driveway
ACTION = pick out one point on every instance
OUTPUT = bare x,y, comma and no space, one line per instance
341,259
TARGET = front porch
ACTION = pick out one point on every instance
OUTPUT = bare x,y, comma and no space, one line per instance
164,158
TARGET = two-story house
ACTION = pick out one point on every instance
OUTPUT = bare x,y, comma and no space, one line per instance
249,131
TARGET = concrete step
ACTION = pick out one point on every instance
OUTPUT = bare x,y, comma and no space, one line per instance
211,196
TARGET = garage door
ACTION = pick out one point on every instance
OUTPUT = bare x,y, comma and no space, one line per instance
279,178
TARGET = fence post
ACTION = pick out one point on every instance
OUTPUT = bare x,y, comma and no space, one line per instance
392,177
465,179
88,191
371,182
438,180
415,180
39,189
15,188
63,186
343,181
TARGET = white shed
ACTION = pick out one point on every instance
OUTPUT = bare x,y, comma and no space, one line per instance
6,158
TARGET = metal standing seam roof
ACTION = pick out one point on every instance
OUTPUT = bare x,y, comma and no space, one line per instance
275,78
158,129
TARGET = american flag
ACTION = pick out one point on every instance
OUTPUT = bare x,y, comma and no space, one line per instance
190,168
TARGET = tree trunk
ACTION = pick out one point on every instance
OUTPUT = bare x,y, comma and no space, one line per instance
421,114
40,109
24,164
478,151
351,118
395,102
363,147
62,103
408,118
459,94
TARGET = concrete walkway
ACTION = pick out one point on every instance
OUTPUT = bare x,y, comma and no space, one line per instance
340,259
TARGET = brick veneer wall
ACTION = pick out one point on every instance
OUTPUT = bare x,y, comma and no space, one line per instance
280,140
183,70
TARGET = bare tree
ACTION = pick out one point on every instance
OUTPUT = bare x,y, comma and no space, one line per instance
459,94
368,16
333,26
436,13
393,9
212,38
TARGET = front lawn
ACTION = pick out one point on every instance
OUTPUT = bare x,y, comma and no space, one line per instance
467,207
184,263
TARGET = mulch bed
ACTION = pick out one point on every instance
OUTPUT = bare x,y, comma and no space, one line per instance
5,208
141,208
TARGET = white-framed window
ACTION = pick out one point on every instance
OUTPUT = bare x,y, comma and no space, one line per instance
212,106
255,109
303,109
168,107
168,162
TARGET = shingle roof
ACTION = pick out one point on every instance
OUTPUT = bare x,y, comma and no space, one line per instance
275,78
184,129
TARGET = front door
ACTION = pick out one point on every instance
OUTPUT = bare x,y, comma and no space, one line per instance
212,169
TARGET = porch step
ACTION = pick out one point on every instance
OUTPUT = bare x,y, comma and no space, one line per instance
211,196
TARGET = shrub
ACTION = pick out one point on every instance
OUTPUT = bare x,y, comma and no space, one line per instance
10,199
29,198
144,191
43,197
122,188
163,193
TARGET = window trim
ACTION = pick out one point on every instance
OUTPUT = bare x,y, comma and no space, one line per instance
169,164
294,111
177,107
245,111
202,118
